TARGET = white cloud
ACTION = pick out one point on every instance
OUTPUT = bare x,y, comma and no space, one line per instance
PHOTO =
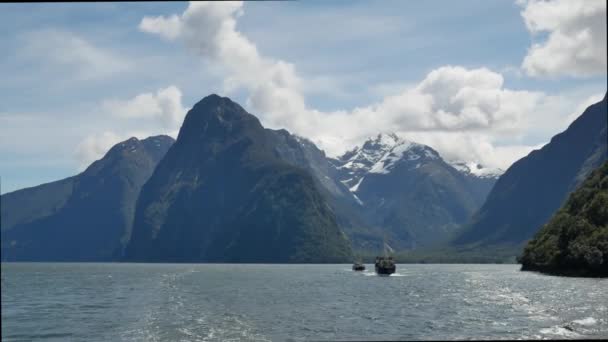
582,106
576,42
448,99
477,147
94,147
464,113
209,28
165,106
142,116
168,28
65,49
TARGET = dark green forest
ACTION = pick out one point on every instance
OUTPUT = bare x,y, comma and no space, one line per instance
575,241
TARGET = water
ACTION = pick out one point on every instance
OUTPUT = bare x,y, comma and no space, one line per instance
166,302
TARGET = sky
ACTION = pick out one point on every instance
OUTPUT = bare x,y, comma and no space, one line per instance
482,81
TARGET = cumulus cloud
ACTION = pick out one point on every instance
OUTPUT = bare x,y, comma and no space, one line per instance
209,29
94,147
576,37
448,99
464,113
66,49
144,115
595,98
479,147
165,106
168,28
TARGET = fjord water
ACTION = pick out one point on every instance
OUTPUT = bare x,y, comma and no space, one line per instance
208,302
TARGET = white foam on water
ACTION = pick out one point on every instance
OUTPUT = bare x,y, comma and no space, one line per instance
558,331
503,295
187,332
373,274
585,321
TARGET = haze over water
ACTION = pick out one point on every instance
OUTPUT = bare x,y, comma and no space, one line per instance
207,302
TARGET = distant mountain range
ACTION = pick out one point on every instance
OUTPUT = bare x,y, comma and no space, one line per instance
230,190
536,186
87,217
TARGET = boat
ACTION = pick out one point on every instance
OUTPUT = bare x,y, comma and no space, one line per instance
357,266
385,265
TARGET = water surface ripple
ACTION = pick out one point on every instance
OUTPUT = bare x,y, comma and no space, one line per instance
214,302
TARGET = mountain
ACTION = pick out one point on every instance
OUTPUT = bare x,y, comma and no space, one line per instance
225,192
86,217
303,153
408,191
476,169
353,165
480,179
575,240
534,187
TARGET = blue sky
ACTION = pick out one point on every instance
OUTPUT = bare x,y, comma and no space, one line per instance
79,77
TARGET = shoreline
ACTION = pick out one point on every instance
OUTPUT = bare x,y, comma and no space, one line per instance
563,272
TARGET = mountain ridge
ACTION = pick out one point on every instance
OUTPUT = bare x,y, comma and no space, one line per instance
86,217
575,240
535,186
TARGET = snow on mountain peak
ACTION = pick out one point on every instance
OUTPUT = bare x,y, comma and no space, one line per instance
387,139
372,150
380,154
403,150
476,169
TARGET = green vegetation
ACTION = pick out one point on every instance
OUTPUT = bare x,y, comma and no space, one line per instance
575,241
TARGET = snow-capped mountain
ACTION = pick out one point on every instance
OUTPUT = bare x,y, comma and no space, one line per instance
354,164
403,151
475,169
409,190
379,155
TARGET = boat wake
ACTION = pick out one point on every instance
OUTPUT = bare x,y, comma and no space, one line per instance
585,321
374,274
559,331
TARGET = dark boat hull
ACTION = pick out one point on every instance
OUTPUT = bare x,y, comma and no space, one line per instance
358,268
385,270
